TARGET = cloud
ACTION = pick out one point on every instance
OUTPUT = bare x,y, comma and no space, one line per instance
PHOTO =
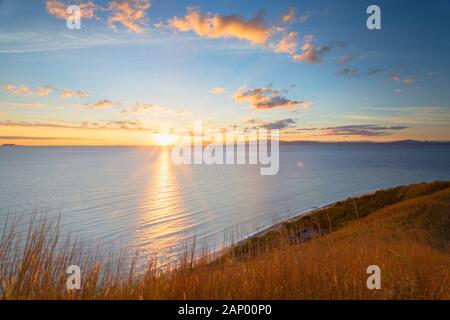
128,125
265,98
304,18
139,107
217,90
36,138
102,104
59,9
207,25
347,58
25,104
66,93
142,107
289,16
394,77
398,90
368,130
397,78
43,91
347,72
274,125
372,71
130,13
287,44
17,90
23,90
310,54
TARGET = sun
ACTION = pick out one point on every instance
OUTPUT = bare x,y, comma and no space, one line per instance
164,139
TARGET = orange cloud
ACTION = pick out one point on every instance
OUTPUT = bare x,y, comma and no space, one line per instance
102,104
287,44
265,98
310,54
217,26
59,9
289,16
130,13
43,91
139,107
396,78
73,93
142,107
217,90
23,90
17,90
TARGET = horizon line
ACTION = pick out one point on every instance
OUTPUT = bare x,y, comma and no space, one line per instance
282,142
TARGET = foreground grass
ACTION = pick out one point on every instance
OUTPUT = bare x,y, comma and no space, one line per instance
324,255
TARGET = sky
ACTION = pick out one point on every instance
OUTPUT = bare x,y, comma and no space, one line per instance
136,68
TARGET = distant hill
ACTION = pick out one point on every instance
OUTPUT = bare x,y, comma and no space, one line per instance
399,142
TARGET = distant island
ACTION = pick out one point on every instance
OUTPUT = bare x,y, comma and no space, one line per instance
9,145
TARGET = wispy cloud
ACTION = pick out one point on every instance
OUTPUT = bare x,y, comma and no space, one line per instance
217,90
368,130
350,72
38,138
102,104
139,107
143,107
397,78
31,41
17,90
289,16
66,93
277,124
347,58
411,116
372,71
265,98
25,104
127,125
23,90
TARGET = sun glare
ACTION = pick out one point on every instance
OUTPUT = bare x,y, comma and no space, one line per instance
164,139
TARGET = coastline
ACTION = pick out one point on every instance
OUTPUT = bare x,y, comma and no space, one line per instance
278,227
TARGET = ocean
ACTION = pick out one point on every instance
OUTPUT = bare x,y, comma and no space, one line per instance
136,198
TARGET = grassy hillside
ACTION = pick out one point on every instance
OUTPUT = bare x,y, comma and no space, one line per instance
324,255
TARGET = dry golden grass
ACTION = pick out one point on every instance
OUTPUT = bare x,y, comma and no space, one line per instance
405,231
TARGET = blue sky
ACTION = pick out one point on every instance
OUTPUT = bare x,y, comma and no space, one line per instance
309,68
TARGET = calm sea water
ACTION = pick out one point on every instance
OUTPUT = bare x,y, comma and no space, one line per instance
136,198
